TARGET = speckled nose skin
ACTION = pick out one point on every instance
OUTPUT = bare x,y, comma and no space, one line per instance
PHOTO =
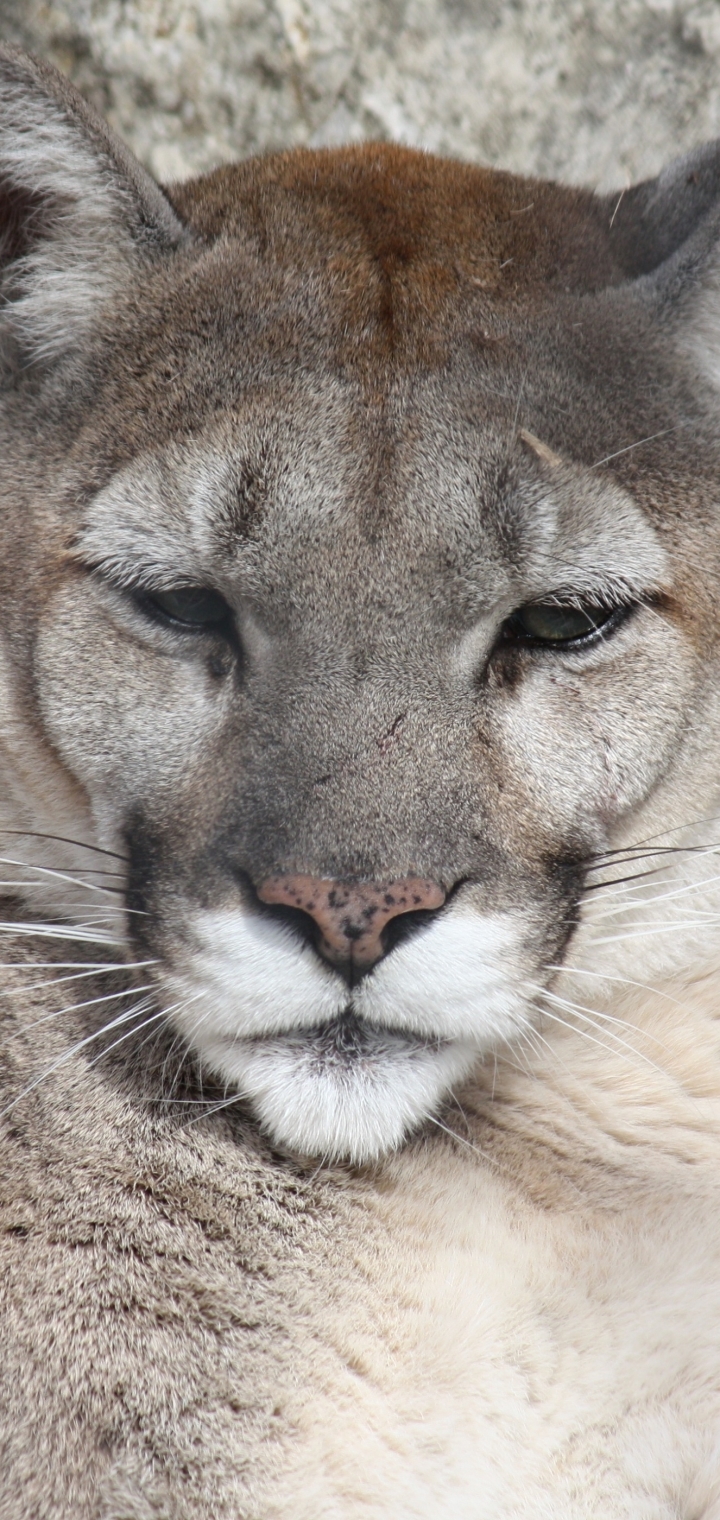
351,916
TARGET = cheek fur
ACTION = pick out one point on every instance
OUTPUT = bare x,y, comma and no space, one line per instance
584,746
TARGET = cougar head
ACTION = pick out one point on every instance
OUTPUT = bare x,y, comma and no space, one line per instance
359,585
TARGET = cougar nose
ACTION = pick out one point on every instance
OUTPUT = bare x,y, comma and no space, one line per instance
351,916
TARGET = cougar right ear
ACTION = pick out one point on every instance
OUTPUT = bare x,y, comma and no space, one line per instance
79,216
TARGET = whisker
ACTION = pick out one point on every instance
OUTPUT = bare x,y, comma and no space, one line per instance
655,854
60,931
98,913
6,881
453,1134
640,931
185,1003
625,981
619,881
630,446
484,1155
123,1018
665,834
80,844
108,997
597,1013
51,981
585,1035
178,1042
76,881
675,891
599,1023
518,403
159,1014
632,853
74,1050
215,1108
92,968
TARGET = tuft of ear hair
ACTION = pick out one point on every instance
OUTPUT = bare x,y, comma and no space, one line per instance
78,214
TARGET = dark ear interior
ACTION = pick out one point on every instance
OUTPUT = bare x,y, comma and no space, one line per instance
21,219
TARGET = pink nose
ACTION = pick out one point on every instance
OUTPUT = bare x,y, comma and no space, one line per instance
351,916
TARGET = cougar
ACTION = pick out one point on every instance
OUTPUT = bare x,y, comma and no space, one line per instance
360,759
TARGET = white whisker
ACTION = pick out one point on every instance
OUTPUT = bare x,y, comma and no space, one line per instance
624,981
672,895
91,968
641,931
74,1050
76,881
108,997
83,934
599,1022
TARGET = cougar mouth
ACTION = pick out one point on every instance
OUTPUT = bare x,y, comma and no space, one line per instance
345,1089
348,1039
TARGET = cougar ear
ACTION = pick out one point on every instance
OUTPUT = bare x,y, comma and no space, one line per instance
78,214
666,234
652,221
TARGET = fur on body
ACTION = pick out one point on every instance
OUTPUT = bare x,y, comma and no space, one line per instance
281,1241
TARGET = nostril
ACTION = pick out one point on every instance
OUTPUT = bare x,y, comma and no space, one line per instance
398,929
295,918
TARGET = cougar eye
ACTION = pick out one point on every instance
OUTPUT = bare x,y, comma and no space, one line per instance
555,623
194,606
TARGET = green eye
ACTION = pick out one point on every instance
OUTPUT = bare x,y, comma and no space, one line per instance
553,623
194,606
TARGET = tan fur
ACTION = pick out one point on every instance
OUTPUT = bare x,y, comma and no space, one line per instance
442,1243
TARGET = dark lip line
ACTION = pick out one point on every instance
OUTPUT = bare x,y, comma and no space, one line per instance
348,1023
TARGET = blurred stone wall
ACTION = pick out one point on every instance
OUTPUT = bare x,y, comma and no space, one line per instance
599,91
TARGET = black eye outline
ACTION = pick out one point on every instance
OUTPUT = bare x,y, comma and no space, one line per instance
193,609
601,623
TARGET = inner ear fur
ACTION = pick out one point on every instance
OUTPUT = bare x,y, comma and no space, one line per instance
78,213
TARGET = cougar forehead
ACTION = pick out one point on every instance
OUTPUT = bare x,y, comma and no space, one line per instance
373,269
367,402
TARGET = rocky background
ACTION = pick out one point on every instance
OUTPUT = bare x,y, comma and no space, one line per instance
597,91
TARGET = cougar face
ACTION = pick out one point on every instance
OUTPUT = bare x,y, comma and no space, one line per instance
359,566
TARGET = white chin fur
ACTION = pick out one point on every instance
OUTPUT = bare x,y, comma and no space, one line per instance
315,1096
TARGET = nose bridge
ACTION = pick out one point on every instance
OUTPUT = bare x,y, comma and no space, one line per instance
344,775
351,916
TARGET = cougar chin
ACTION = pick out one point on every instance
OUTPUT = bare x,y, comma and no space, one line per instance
343,1090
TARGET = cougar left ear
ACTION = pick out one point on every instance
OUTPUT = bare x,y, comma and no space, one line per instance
79,216
666,235
654,220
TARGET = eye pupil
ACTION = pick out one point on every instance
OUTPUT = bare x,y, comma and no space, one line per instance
555,623
195,606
